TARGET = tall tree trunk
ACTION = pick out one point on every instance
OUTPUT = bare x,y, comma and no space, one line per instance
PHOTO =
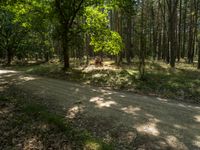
155,33
129,34
142,44
191,40
172,8
165,53
118,28
198,66
87,47
159,45
197,30
46,56
65,52
184,29
9,56
67,14
159,30
179,32
190,45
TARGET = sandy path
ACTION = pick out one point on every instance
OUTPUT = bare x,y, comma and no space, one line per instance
140,121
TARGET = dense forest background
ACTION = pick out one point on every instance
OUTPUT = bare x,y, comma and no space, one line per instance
100,74
122,30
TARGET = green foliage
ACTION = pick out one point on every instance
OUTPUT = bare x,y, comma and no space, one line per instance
11,33
126,5
102,38
25,28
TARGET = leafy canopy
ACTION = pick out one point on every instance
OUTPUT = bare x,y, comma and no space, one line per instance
102,38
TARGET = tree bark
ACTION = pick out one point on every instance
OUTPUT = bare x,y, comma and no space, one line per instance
9,56
129,34
172,8
142,44
184,30
198,66
179,32
65,53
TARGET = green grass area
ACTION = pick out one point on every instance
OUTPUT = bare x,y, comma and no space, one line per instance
25,114
182,84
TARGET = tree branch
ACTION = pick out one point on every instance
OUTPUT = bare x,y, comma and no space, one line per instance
75,13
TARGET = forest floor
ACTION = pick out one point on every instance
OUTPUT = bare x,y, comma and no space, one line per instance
27,124
122,119
31,126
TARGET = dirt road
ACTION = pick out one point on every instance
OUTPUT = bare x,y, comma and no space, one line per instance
132,120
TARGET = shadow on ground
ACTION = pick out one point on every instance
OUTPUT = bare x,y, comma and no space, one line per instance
19,130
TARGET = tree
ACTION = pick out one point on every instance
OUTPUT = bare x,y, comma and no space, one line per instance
11,34
24,25
67,12
128,9
172,22
198,65
102,38
142,42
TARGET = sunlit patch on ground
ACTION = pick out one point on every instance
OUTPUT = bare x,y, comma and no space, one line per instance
179,126
162,99
106,92
8,75
197,141
122,96
175,143
3,82
33,143
98,75
149,115
4,110
77,90
6,71
131,110
107,67
91,145
27,78
149,128
100,102
197,118
72,112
